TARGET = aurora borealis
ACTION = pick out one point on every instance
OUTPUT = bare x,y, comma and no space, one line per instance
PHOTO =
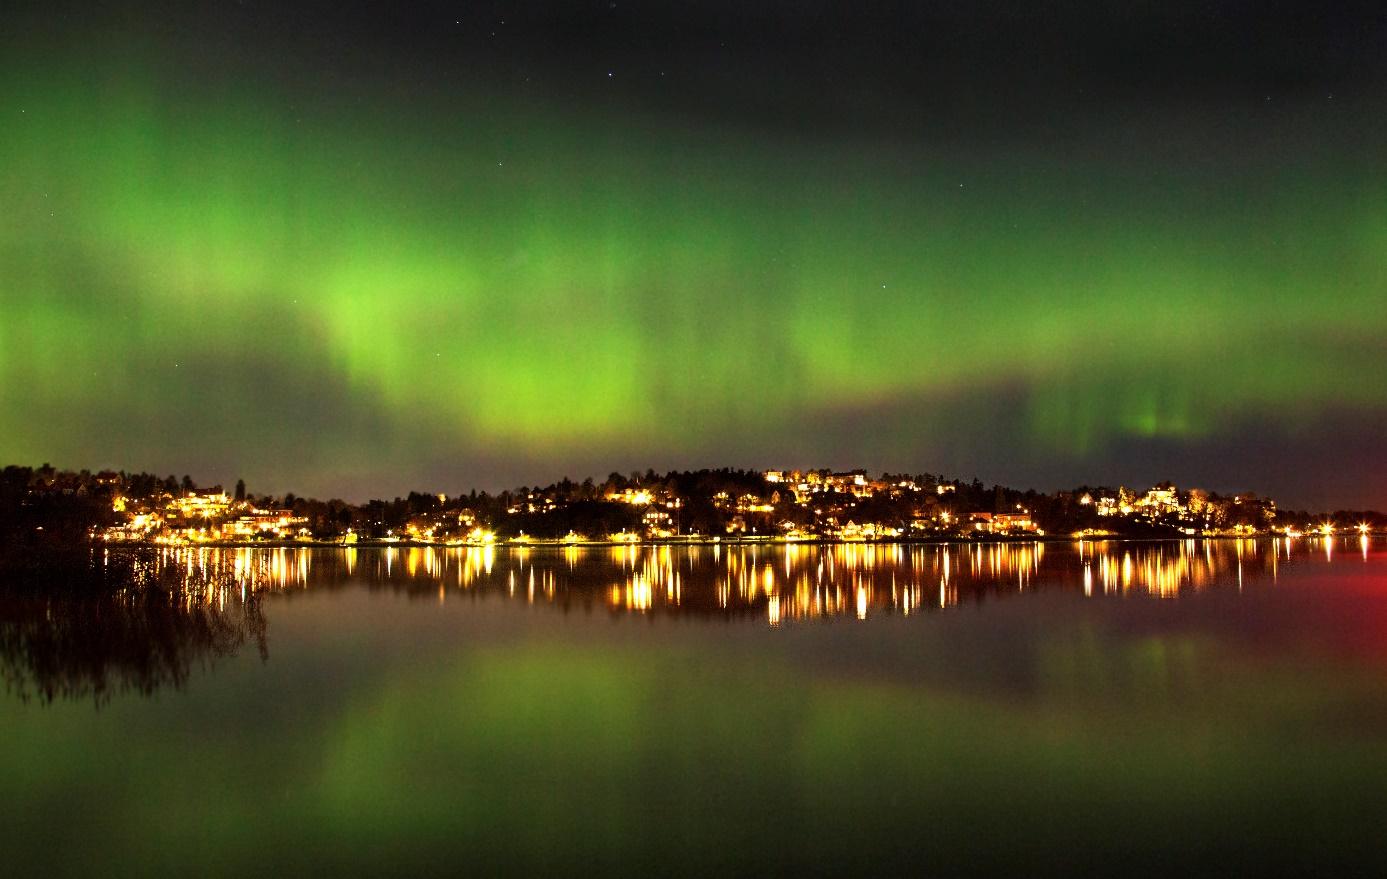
231,247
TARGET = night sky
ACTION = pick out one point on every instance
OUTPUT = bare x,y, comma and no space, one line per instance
360,251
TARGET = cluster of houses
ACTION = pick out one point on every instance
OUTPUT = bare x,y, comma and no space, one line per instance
1193,511
201,517
770,505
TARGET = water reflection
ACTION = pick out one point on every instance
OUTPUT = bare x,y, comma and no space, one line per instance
156,614
135,622
781,583
1221,691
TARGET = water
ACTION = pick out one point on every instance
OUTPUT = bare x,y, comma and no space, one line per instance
1148,707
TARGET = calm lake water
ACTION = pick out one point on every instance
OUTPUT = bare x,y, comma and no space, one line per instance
1168,707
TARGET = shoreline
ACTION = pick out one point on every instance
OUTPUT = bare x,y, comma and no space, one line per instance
700,542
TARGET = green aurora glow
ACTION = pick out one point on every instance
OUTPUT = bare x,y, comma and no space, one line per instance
361,294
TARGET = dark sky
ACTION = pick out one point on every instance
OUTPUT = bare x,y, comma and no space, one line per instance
362,248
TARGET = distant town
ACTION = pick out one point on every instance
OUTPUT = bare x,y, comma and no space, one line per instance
44,504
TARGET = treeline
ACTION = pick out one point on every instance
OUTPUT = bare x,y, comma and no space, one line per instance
45,506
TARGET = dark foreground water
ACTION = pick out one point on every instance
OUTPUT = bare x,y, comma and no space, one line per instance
1145,707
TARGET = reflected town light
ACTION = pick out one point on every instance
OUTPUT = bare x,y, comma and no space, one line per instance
785,583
